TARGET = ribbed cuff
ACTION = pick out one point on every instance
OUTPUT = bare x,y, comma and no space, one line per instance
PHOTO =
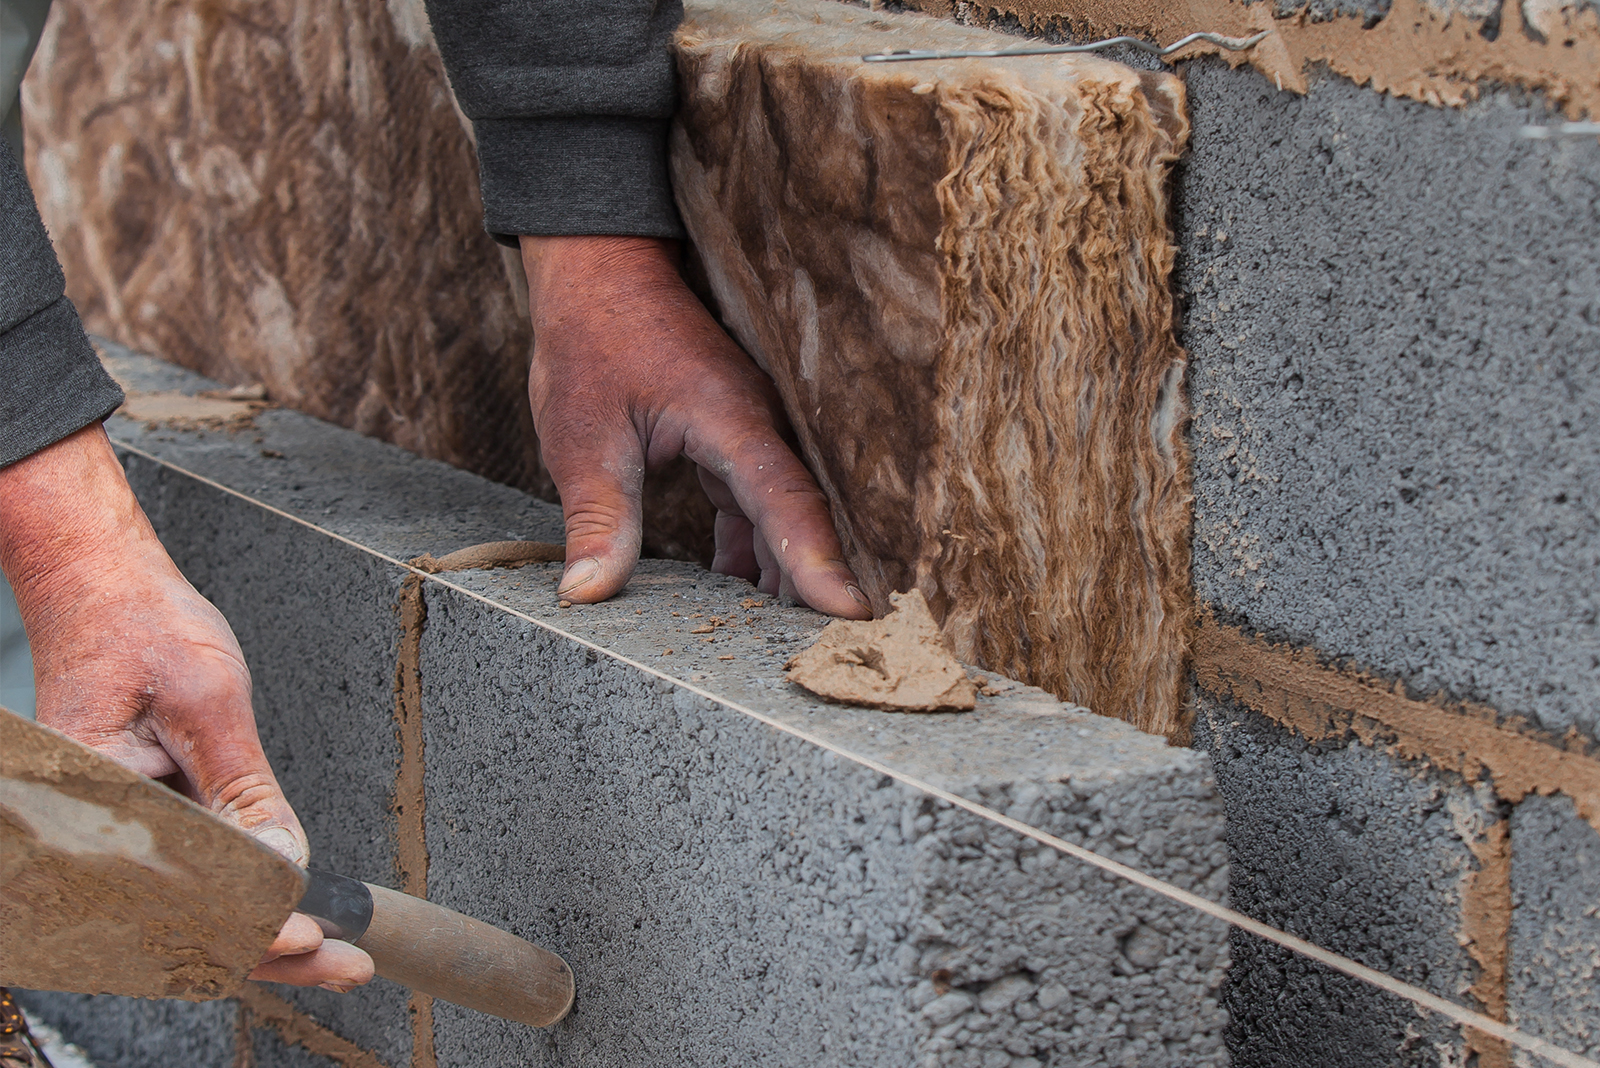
53,382
576,176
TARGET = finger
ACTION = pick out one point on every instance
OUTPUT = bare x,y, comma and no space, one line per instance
735,541
735,535
778,495
299,934
771,579
335,965
598,466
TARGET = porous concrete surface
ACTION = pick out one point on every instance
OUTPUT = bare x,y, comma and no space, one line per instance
822,895
726,891
118,1032
266,1047
1553,981
1356,851
403,525
1393,319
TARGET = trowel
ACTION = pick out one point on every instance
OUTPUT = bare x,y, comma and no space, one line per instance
110,883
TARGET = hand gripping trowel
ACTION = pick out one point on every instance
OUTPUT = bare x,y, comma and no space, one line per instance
110,883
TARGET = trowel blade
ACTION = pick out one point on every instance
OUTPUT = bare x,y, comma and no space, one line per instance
110,883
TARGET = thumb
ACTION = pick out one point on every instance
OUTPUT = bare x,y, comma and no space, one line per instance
280,831
599,473
211,735
254,803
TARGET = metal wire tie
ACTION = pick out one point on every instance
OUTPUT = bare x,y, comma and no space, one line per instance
1232,44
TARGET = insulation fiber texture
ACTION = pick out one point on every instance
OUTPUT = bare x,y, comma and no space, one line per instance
957,274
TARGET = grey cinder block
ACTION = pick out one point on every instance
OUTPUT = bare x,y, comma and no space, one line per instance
1395,364
729,883
1555,926
117,1032
1357,851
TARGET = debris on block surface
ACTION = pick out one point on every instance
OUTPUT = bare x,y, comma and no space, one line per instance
899,663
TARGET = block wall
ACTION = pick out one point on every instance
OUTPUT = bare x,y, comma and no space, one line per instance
736,872
1391,306
1393,318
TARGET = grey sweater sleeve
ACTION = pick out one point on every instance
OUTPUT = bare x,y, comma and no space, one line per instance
51,382
570,102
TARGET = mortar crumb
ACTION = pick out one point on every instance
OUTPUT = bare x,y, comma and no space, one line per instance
898,663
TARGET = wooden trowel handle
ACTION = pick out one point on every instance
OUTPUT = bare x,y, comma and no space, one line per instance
434,950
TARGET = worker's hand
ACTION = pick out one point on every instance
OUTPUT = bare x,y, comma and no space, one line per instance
130,660
630,370
302,957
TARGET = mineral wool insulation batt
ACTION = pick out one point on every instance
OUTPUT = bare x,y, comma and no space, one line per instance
957,273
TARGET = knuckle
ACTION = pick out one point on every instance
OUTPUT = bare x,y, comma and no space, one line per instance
250,798
592,520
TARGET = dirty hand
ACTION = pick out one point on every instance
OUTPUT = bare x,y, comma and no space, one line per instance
630,370
130,660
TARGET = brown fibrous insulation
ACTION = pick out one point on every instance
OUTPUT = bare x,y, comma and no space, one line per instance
957,273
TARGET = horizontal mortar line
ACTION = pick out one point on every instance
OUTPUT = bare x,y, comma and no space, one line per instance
1339,963
1293,688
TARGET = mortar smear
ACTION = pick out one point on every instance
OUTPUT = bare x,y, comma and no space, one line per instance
492,554
217,410
899,663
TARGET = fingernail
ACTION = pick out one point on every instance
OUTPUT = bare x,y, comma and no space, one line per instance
280,840
577,573
337,988
859,597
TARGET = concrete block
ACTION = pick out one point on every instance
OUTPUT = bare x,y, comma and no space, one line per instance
692,833
268,1047
1555,926
117,1032
1395,368
821,895
1359,852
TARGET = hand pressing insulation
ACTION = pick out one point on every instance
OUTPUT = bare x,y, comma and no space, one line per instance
130,660
629,371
